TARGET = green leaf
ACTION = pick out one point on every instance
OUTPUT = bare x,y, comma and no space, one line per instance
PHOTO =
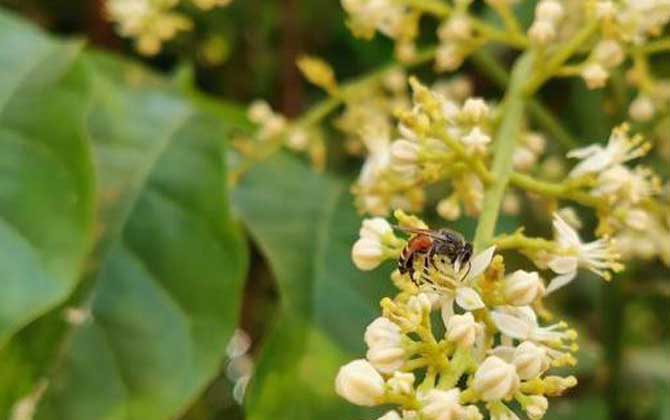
305,226
46,174
112,179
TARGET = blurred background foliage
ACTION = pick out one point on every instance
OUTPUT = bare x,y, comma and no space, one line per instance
303,302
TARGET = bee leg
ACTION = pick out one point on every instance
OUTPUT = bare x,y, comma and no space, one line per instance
466,272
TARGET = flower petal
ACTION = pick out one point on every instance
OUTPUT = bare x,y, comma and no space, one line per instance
565,234
447,309
560,281
468,299
504,352
511,325
563,264
480,263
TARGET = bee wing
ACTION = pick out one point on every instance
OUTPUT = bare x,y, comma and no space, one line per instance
428,232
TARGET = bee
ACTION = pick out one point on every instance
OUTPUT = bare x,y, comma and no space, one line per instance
430,243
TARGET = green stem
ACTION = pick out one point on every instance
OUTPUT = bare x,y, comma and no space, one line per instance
658,46
561,56
554,190
542,116
506,139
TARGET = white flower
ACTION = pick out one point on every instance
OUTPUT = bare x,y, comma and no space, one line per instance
598,257
595,75
476,140
456,283
530,360
367,254
359,383
462,330
495,379
401,383
385,350
391,415
474,110
521,323
523,288
620,148
536,406
442,405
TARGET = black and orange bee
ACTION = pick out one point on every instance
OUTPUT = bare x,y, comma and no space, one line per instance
431,243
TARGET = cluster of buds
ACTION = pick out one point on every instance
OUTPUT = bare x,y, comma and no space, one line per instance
439,138
153,22
548,14
489,349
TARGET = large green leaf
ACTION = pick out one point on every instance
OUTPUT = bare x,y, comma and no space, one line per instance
46,177
111,177
305,225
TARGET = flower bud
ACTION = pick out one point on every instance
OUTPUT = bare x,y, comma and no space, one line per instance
523,288
475,110
404,154
609,53
449,208
530,360
367,254
495,379
595,76
401,383
549,10
386,359
542,32
391,415
359,383
523,159
536,406
476,139
375,228
642,109
462,330
259,111
442,405
382,332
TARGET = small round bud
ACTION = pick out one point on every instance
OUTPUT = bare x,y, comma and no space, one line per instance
530,360
462,330
442,405
404,154
523,159
448,57
476,139
542,32
386,359
550,10
523,288
359,383
391,415
535,142
642,109
595,76
536,407
475,110
259,111
495,379
367,254
449,208
402,383
375,228
382,332
609,53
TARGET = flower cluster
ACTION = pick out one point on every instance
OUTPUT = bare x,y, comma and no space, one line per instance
153,22
489,350
438,138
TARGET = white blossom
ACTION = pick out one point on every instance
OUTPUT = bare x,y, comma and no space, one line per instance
359,383
495,379
523,288
442,405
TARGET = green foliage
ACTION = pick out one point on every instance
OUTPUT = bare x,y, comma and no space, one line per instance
112,180
305,225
